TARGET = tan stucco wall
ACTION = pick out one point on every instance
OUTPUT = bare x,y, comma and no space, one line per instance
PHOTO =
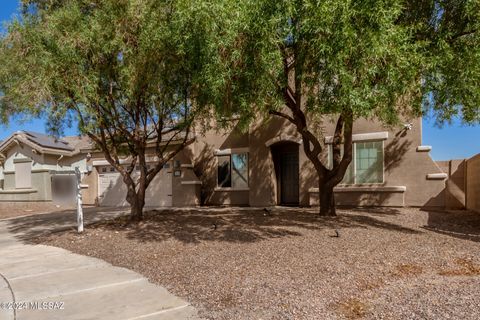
43,161
41,188
473,183
455,184
364,199
404,165
205,165
183,195
42,167
90,186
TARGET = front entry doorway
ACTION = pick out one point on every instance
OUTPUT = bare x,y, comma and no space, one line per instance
285,158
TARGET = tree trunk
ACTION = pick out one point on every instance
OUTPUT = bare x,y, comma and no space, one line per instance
327,200
136,212
137,202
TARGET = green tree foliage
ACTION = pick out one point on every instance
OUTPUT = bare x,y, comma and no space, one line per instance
308,61
449,34
127,70
118,64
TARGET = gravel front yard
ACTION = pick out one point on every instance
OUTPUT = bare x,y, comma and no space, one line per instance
288,263
18,209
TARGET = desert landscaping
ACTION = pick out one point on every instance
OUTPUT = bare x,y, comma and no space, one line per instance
289,263
239,160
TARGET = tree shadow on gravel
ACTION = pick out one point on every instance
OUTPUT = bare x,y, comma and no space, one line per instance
380,211
206,224
239,225
460,224
27,228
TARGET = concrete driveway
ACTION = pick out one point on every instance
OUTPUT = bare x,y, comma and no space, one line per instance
42,282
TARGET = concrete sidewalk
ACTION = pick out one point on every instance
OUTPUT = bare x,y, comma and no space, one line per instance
71,286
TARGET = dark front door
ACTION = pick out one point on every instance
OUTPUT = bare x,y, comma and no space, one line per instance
285,157
289,178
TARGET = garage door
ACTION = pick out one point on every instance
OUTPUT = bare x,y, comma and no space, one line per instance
112,190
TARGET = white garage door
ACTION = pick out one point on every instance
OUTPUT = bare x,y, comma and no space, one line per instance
112,190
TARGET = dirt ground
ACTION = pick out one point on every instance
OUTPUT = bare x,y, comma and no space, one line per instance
292,264
17,209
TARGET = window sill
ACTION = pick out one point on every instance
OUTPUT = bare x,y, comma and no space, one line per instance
191,182
366,189
361,185
18,191
219,189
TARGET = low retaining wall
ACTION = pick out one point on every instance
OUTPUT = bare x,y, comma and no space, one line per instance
455,185
40,190
388,196
473,183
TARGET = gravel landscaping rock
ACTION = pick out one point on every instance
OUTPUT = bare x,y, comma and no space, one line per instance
289,263
18,209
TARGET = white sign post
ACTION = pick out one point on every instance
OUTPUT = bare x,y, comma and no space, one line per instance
79,201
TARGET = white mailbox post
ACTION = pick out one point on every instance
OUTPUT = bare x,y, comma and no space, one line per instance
79,201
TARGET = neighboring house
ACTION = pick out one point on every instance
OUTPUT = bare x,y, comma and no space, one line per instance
175,185
37,167
264,166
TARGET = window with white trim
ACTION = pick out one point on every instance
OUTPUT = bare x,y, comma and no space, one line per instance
232,171
367,163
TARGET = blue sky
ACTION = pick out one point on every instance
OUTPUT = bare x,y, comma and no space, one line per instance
452,141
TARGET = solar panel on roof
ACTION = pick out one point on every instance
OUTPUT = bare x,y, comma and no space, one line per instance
48,141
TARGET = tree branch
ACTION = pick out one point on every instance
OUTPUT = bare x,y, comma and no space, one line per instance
282,115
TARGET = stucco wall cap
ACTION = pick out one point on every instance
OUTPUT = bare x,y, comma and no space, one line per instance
382,135
191,182
437,176
424,148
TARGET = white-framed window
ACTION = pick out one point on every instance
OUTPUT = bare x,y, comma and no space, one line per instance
232,171
367,163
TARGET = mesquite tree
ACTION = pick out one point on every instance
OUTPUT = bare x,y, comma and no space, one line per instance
126,71
306,61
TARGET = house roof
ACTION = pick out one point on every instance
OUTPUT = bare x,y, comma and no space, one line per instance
69,145
79,143
48,141
43,143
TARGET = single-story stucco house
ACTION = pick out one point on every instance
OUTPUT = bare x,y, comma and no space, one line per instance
38,167
268,166
262,166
